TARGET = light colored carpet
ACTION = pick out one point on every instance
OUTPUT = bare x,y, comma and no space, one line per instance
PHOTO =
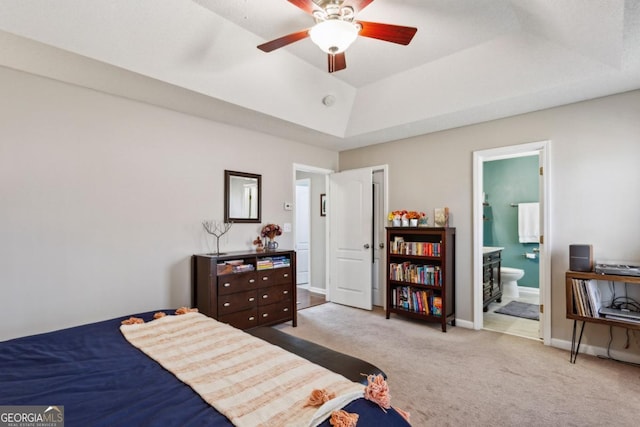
477,378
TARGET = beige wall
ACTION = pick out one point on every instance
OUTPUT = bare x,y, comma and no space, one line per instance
595,185
102,200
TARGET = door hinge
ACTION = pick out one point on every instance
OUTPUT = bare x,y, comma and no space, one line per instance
541,308
541,171
542,239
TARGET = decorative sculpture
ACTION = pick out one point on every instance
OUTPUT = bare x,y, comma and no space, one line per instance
217,229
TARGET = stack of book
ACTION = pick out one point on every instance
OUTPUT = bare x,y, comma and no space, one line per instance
239,268
264,263
270,262
281,261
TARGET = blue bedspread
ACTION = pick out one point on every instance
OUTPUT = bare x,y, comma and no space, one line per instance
102,380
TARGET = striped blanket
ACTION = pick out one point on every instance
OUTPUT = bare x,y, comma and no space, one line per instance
253,383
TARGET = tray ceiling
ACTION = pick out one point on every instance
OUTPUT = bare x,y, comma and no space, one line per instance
470,61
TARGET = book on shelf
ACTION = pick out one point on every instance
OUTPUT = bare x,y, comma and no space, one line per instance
416,273
239,268
400,247
267,263
436,308
587,299
411,299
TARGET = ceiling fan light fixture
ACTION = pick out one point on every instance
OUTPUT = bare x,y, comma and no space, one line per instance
334,35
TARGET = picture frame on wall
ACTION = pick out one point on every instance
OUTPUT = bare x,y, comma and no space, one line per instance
323,204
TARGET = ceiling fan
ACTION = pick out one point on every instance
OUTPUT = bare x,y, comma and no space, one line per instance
336,28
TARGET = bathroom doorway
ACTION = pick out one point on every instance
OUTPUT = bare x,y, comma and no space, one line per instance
510,184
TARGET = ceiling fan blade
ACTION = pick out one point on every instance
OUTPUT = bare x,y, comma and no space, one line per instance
307,5
337,62
387,32
284,40
357,5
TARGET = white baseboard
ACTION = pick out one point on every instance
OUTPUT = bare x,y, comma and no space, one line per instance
591,350
527,291
464,324
316,290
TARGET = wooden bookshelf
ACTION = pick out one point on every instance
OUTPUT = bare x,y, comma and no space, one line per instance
573,312
421,272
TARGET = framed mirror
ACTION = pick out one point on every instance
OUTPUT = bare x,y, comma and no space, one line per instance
242,197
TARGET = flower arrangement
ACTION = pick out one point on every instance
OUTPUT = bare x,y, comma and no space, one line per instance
414,215
271,231
396,215
405,218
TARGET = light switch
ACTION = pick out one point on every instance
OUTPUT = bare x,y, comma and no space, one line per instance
287,227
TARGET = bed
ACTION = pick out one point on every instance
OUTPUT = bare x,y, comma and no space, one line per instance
101,379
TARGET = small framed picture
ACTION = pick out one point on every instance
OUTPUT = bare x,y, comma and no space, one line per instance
323,204
441,217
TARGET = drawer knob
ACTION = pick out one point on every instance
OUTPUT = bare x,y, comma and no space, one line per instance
286,309
265,314
252,299
265,296
226,285
285,292
265,278
252,280
286,274
252,318
227,304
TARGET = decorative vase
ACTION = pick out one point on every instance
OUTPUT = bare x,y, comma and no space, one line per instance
405,222
395,223
413,222
272,245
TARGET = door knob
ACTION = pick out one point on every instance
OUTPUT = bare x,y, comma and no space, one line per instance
381,245
366,246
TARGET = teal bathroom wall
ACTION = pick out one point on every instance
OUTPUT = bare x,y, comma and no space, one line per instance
506,182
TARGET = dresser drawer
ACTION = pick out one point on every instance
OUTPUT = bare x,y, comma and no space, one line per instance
274,294
236,302
232,283
277,276
242,319
277,312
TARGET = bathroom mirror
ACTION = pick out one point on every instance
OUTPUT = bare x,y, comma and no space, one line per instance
242,197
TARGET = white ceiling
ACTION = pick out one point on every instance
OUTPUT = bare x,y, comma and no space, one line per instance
470,61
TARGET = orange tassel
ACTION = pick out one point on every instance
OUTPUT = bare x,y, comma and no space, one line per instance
343,418
404,414
132,321
377,391
185,310
159,314
319,397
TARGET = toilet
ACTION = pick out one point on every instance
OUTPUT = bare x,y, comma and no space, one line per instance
509,277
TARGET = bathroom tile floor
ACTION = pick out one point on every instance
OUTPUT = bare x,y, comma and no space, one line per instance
509,324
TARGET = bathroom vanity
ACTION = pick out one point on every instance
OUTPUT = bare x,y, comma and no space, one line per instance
492,285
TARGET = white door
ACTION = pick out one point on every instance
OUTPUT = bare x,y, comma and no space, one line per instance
303,234
350,212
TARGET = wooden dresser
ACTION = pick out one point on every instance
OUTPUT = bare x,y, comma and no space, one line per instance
246,289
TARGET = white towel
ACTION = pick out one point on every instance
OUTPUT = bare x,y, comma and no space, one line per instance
529,222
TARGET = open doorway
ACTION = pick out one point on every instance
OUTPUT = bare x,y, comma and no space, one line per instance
309,230
500,213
